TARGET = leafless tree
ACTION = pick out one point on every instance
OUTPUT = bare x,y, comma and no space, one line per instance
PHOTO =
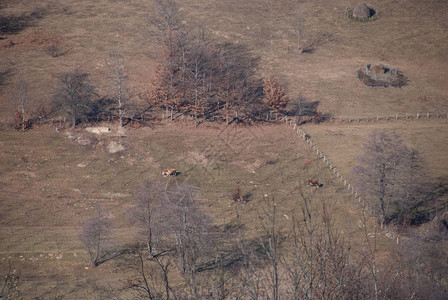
394,176
76,94
320,263
119,79
302,107
379,171
299,30
150,279
23,87
147,215
168,20
271,243
190,232
96,237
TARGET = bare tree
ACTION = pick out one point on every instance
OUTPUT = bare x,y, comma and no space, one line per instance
379,170
319,264
271,243
190,232
76,94
394,176
119,80
23,88
299,30
168,20
96,237
303,107
151,277
147,213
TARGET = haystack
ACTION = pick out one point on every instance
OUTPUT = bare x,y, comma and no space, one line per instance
362,11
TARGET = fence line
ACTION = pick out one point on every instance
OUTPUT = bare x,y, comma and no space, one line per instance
349,186
405,116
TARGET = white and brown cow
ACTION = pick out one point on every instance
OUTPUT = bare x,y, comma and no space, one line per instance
314,182
169,172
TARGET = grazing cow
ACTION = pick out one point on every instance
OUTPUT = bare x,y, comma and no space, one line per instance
169,172
314,182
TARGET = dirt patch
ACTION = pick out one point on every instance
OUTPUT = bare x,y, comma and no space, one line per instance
98,130
250,167
196,157
115,147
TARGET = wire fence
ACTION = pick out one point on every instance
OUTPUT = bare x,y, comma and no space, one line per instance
405,116
335,171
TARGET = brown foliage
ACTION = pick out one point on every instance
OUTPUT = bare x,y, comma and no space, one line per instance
274,95
236,196
20,123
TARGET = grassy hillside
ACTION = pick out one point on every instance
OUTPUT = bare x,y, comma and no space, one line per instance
406,35
51,182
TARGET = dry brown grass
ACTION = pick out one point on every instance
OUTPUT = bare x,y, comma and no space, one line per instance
343,143
50,182
408,39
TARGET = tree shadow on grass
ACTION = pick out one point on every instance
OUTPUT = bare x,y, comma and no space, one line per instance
4,76
14,24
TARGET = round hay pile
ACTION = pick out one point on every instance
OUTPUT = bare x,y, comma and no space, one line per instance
382,75
362,11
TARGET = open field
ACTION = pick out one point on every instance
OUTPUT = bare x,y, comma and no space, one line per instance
51,182
86,31
343,143
44,202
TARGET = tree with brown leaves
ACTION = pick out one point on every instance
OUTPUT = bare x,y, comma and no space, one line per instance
274,95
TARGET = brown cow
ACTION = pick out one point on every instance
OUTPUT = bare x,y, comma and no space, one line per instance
169,172
314,182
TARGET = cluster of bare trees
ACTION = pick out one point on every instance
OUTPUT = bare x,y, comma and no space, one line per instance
394,177
196,77
302,255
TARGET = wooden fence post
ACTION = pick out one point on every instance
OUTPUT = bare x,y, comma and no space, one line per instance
406,116
427,115
417,115
396,117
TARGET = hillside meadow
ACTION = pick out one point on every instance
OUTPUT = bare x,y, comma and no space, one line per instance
51,181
